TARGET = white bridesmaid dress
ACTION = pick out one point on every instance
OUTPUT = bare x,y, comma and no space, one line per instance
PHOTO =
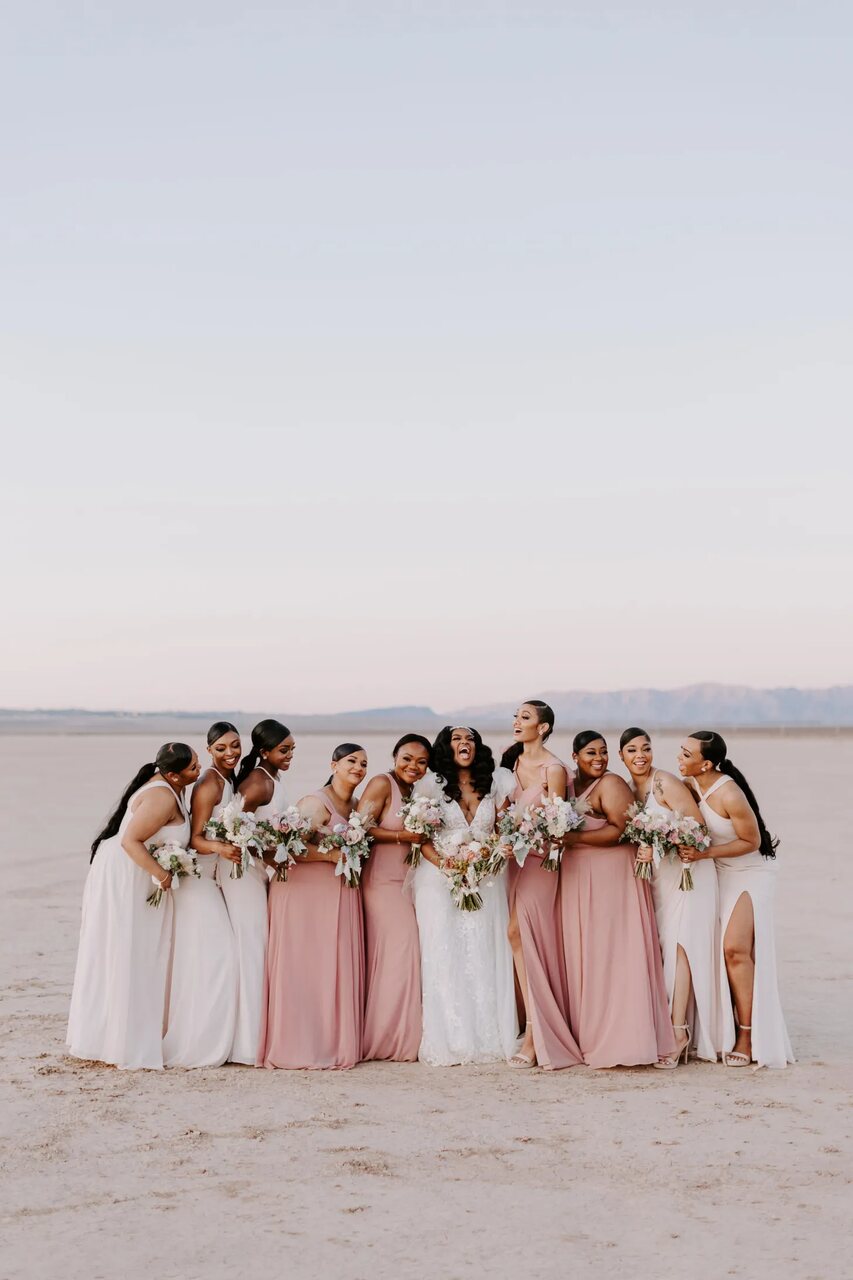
754,874
467,976
689,919
118,1003
246,900
202,1006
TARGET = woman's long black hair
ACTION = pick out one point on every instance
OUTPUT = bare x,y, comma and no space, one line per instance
265,735
173,757
714,749
442,763
339,753
546,716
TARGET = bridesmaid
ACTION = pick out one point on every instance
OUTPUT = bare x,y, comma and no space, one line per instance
259,784
204,985
118,1003
618,1009
315,967
534,924
744,853
687,921
392,1015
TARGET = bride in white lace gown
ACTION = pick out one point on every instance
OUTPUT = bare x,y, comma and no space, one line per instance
469,1012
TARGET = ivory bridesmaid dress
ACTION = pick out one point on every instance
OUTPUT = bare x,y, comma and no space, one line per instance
534,895
392,1016
118,1003
314,1016
755,875
204,985
618,1009
688,919
246,900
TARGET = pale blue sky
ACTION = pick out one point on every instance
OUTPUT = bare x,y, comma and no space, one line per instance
354,354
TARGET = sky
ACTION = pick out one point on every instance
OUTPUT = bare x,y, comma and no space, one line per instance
369,354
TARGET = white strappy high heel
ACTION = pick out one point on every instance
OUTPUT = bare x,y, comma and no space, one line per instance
669,1064
738,1059
519,1061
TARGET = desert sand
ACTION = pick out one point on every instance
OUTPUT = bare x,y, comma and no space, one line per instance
402,1170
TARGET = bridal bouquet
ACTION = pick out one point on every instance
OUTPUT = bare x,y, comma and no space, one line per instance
663,833
233,826
467,864
285,836
422,816
555,819
353,842
174,858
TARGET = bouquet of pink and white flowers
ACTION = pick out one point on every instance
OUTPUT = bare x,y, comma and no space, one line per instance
422,816
517,833
693,835
284,835
539,829
555,819
352,841
175,859
467,863
663,833
233,826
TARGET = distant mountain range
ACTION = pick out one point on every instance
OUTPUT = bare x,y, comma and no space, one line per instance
694,706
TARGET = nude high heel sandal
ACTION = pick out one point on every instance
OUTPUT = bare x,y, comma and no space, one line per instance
520,1060
669,1064
738,1059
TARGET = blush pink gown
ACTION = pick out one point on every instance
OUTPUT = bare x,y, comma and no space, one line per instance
314,1012
618,1009
533,894
392,1016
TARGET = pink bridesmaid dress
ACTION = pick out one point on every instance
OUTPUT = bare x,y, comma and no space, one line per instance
392,1015
618,1008
314,1013
533,893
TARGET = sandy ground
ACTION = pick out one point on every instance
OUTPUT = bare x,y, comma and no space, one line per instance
401,1171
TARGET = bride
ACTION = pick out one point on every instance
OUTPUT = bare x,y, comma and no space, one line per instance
469,1012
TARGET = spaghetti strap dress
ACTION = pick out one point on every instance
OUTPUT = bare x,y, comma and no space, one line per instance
118,1002
204,984
392,1014
246,900
314,1013
618,1010
754,875
534,895
688,919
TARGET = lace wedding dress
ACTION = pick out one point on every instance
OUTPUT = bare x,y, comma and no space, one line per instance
469,1012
